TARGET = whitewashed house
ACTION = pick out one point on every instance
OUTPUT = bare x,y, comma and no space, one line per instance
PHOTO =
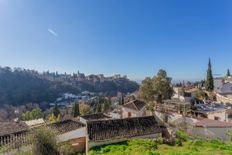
134,108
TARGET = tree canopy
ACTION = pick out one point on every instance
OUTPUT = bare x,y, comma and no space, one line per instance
56,111
103,105
157,88
31,115
209,83
228,72
76,110
20,86
85,109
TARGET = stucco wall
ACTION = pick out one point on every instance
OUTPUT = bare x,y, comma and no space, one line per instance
211,133
78,144
81,132
83,120
220,114
134,113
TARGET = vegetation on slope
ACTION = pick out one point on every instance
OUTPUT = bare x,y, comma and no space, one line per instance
149,147
21,86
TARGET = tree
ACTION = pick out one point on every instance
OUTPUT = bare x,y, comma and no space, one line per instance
53,119
34,114
105,105
156,89
76,110
56,111
228,72
162,86
85,109
146,91
37,113
209,84
200,95
98,108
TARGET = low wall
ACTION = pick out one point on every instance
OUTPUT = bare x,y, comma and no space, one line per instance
81,132
211,132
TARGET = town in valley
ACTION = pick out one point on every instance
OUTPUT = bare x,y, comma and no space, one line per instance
157,109
115,77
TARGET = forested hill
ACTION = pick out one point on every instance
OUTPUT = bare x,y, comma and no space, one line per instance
19,86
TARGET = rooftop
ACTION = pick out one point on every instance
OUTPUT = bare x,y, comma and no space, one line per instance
66,126
136,105
7,128
122,128
97,116
207,108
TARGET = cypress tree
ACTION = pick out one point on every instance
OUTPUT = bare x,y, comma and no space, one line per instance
56,111
98,108
209,84
228,72
76,110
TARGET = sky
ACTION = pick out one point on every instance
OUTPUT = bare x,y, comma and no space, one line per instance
131,37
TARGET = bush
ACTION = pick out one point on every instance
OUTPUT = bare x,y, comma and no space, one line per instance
182,135
65,149
44,142
179,142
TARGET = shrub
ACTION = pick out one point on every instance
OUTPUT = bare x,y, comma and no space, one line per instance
182,135
44,142
179,142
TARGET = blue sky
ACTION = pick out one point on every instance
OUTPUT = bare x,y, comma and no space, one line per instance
133,37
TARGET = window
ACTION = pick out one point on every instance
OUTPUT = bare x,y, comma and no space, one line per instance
129,114
217,118
230,116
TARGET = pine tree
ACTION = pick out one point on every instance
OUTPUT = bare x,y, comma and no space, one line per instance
209,84
76,110
228,72
56,111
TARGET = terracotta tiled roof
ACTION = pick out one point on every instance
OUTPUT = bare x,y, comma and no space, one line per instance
7,128
98,116
66,126
212,123
122,128
135,105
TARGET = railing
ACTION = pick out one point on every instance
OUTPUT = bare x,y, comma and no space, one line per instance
13,141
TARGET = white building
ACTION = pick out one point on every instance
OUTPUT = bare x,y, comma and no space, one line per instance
223,86
134,108
183,96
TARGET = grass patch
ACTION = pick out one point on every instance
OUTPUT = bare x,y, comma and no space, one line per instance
149,147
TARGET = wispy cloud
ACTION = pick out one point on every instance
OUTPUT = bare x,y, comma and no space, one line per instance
53,32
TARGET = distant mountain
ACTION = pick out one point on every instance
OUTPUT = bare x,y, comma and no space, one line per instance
19,86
